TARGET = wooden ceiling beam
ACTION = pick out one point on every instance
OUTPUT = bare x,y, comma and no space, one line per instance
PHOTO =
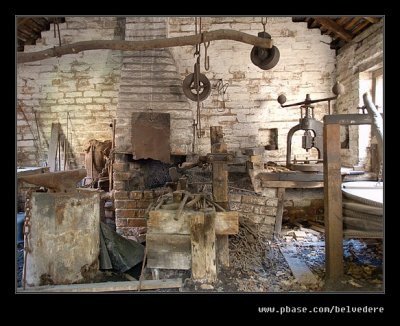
334,27
372,20
311,24
341,20
22,20
349,25
360,27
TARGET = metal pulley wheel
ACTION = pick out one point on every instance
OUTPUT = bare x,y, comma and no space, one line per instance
190,88
265,58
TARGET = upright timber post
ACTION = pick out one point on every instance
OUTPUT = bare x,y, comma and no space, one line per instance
220,189
333,218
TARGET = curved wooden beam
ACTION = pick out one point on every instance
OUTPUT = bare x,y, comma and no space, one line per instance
220,34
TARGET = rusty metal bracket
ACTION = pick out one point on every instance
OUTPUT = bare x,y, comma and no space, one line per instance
215,157
348,119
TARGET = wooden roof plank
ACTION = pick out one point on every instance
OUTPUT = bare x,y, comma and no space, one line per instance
311,23
372,20
334,27
342,20
350,24
361,27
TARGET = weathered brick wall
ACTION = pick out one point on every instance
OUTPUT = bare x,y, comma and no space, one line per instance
298,204
306,65
363,53
258,209
84,84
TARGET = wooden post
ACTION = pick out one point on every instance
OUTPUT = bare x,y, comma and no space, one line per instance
209,245
197,244
220,189
279,211
333,203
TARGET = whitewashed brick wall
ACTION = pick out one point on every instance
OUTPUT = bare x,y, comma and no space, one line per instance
363,53
306,65
84,84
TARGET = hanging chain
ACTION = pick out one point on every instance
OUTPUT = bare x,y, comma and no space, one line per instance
197,52
197,83
196,77
27,231
55,22
206,57
264,23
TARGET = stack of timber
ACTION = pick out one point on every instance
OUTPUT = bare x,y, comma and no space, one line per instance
363,209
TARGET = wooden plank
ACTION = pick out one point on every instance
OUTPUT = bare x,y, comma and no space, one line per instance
299,269
290,176
358,224
222,245
347,119
198,249
170,251
109,286
167,242
349,234
334,27
292,184
55,130
333,219
210,246
227,223
279,212
162,221
317,227
350,24
372,20
169,260
220,181
220,190
360,27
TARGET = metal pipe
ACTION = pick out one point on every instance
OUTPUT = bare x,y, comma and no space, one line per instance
310,101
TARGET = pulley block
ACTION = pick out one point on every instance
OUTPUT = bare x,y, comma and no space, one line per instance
190,87
265,58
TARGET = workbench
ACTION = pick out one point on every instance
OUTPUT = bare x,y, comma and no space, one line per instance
290,179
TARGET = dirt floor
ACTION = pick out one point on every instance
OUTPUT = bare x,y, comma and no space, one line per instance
257,265
254,272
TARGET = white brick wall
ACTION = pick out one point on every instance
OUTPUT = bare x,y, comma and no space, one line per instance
85,85
363,53
306,65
